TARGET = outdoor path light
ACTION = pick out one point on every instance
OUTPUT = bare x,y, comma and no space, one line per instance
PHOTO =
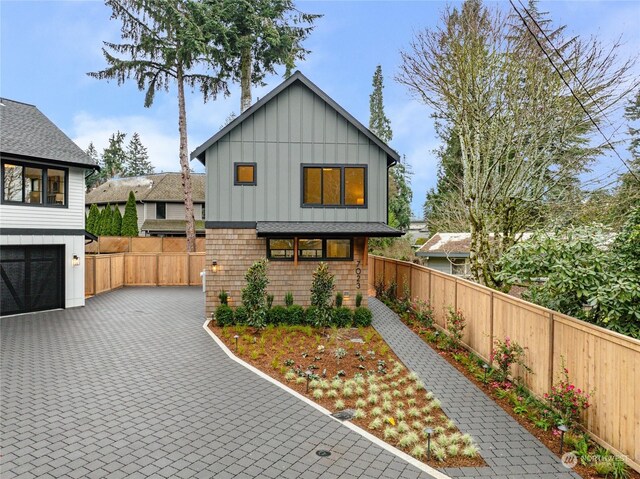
236,338
308,373
428,431
486,368
562,428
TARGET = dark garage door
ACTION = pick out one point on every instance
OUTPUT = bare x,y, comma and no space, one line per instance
32,278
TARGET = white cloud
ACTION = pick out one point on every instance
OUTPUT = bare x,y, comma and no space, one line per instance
162,146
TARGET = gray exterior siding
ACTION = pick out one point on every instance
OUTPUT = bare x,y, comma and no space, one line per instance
440,264
296,127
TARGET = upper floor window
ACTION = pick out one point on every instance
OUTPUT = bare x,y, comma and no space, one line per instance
161,211
244,174
32,184
334,186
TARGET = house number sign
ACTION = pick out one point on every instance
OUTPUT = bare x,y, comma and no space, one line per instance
358,273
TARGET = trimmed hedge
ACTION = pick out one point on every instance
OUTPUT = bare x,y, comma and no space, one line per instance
224,315
362,317
241,315
295,315
278,315
342,317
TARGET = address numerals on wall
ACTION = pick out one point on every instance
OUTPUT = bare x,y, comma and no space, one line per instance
358,273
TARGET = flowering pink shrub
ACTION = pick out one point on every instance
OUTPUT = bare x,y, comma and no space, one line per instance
567,401
505,353
455,325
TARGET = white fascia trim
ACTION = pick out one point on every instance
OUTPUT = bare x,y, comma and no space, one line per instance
377,441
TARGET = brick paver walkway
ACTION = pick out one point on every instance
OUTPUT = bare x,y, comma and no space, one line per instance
509,449
132,386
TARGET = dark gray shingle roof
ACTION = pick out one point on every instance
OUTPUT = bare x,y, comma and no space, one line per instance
25,131
392,155
278,228
156,187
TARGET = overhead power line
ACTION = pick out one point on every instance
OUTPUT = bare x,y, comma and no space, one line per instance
546,54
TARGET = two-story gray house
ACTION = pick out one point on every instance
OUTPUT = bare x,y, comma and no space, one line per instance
298,180
42,232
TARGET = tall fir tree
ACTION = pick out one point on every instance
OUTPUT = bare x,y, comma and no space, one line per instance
93,219
399,179
105,225
130,218
137,162
94,177
379,124
114,157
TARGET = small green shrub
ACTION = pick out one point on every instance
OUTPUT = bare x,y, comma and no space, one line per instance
362,317
277,315
241,315
358,300
223,296
224,315
339,299
254,293
321,291
270,299
288,299
342,317
295,314
310,315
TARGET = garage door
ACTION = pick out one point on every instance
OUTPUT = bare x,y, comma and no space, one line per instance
32,278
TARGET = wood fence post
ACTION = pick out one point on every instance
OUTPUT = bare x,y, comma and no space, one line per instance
490,325
157,269
188,269
551,345
95,290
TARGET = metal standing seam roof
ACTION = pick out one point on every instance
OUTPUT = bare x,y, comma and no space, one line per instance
279,228
392,156
25,131
155,187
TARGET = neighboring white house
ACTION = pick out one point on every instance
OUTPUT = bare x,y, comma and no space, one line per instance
42,233
159,201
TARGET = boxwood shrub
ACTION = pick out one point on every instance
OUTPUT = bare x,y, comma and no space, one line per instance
342,317
224,315
362,317
241,316
295,315
277,315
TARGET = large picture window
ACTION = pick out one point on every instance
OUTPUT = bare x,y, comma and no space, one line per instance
334,186
310,249
30,184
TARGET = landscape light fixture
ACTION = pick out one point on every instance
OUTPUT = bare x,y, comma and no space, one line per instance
486,368
428,431
308,373
214,266
346,296
562,428
75,261
236,338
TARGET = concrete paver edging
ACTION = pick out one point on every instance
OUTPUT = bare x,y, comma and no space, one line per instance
397,452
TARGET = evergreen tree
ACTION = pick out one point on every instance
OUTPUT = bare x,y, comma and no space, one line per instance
137,162
93,219
116,222
379,124
263,34
114,157
400,194
130,218
92,179
105,220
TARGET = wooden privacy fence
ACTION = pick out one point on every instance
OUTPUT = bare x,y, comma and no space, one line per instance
142,244
597,359
106,272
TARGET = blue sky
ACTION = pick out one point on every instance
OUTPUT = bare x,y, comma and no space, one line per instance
48,46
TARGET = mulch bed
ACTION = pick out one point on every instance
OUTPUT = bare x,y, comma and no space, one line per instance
279,350
546,437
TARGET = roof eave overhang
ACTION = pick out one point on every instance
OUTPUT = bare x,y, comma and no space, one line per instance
7,154
306,234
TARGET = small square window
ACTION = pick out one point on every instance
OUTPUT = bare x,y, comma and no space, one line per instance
244,174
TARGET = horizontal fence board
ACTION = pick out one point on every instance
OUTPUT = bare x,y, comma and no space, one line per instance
597,359
142,244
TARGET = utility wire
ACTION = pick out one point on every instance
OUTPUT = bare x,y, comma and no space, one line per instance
524,21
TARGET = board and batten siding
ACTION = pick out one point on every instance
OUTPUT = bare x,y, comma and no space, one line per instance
296,127
42,217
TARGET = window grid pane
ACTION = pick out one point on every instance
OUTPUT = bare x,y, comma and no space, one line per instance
33,185
312,186
55,187
331,186
338,248
281,248
310,248
12,188
245,173
354,186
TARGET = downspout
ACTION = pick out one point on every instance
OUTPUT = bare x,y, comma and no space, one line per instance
393,163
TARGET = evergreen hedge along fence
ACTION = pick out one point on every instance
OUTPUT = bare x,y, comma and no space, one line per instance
597,359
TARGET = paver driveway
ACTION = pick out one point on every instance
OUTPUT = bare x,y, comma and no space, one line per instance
132,386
